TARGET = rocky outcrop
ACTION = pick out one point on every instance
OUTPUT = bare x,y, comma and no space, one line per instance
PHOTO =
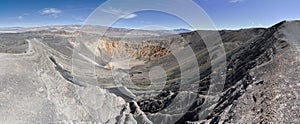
246,68
273,97
148,49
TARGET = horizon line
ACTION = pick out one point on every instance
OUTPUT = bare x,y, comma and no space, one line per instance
63,25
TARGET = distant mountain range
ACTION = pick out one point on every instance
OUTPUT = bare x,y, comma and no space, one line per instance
94,28
10,28
182,30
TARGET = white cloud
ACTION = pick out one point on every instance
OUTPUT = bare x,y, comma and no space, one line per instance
236,1
54,12
113,11
119,12
129,16
20,17
78,18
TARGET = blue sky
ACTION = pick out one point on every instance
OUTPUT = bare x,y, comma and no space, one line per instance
226,14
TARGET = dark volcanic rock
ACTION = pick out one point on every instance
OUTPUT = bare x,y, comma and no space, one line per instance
261,48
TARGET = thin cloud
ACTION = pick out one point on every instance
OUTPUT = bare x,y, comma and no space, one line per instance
20,17
236,1
54,12
129,16
119,12
79,18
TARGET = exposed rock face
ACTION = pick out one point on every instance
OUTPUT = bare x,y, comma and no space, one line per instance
146,49
155,52
246,68
273,98
261,86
